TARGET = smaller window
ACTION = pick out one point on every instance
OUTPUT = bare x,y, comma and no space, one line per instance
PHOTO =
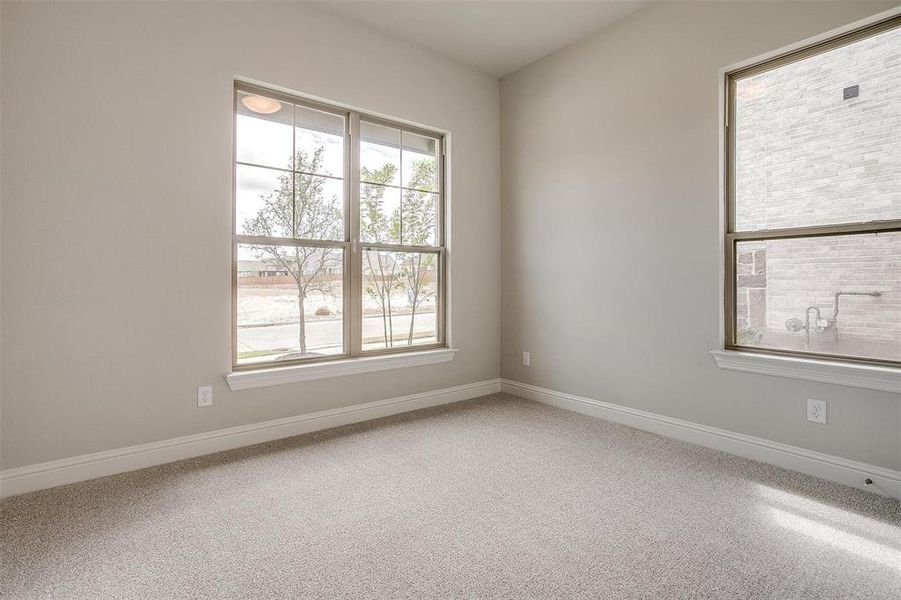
813,231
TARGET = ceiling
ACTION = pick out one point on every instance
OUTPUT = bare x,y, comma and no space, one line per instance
497,37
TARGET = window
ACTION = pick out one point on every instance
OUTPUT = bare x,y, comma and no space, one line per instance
813,199
338,233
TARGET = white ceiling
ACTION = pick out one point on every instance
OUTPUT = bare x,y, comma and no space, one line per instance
496,37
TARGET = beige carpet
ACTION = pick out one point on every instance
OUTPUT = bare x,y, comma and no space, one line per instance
496,497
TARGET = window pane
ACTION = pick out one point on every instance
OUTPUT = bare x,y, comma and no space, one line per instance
420,162
318,208
817,142
833,295
400,299
379,154
263,201
264,131
290,303
419,218
379,214
320,142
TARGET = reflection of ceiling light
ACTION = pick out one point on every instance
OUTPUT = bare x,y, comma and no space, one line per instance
261,105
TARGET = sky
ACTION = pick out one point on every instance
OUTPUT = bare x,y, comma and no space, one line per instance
267,141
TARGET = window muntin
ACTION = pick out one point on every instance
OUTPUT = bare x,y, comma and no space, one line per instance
812,245
399,198
337,238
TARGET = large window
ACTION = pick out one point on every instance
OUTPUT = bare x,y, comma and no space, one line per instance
813,231
338,233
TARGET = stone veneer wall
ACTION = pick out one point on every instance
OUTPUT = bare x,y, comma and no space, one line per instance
805,155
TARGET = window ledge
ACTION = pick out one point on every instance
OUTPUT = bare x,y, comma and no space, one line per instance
872,377
245,380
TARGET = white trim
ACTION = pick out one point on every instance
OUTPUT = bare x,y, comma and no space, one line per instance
99,464
825,466
871,377
245,380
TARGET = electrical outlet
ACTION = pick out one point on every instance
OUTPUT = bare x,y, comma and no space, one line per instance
527,359
816,411
205,395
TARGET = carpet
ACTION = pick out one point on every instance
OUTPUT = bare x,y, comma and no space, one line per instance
496,497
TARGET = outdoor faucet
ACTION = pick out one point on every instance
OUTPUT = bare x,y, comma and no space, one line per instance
795,325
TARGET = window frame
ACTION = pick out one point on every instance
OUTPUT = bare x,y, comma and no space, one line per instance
351,245
732,237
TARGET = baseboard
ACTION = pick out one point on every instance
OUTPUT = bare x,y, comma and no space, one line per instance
825,466
89,466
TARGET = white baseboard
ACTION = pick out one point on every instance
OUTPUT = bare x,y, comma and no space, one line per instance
79,468
99,464
825,466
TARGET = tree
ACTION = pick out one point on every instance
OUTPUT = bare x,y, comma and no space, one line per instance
375,226
300,209
413,223
418,224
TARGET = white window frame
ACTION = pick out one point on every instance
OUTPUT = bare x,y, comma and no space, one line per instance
354,359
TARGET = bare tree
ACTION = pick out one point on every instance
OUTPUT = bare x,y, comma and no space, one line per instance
300,209
419,226
375,226
415,222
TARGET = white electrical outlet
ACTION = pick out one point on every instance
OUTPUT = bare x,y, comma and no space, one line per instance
527,359
205,395
816,411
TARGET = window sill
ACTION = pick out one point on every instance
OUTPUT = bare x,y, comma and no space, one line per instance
872,377
245,380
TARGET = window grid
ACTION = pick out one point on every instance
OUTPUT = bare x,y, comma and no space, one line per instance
351,245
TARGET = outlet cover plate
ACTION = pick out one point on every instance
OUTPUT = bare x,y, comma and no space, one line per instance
205,395
816,411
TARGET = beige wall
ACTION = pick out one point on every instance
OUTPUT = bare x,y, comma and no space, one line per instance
116,169
117,125
609,161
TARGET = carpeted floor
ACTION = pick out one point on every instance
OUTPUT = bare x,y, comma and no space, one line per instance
496,497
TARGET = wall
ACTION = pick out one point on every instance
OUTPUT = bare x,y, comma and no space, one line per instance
116,201
609,161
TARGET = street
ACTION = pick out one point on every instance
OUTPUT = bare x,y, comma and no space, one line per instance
325,336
